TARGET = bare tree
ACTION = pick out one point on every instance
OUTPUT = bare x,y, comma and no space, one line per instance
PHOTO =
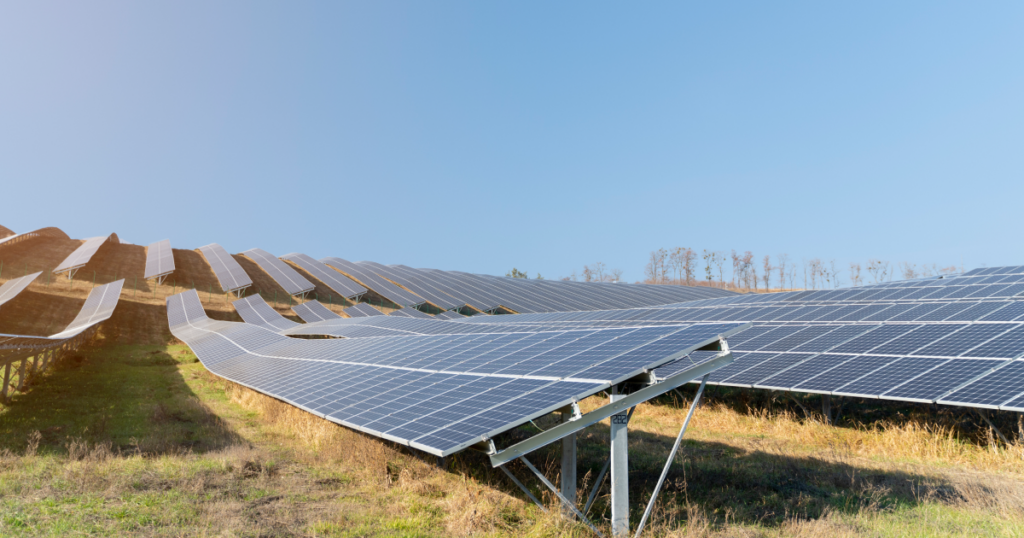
588,274
719,262
854,274
689,259
879,270
735,268
909,270
835,273
675,262
598,269
709,261
950,270
766,275
783,260
616,275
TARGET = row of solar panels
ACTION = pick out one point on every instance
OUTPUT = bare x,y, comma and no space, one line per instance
98,307
446,290
438,393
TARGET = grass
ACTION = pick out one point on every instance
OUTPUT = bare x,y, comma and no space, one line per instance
142,440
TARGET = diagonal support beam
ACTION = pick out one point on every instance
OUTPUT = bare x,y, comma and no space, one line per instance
524,488
557,493
556,433
671,457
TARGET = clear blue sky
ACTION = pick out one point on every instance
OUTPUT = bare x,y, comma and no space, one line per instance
485,135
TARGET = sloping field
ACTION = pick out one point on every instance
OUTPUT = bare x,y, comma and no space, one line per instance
132,436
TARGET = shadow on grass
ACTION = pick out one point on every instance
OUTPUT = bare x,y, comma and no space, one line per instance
132,397
762,486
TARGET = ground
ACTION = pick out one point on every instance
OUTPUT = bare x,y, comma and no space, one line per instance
127,439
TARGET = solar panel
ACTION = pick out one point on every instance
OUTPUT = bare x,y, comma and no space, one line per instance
947,376
361,310
229,274
765,339
811,366
314,311
914,340
13,287
944,311
1007,345
450,315
292,282
411,313
98,307
340,284
254,310
1012,312
992,389
873,384
797,338
837,336
766,368
841,373
81,256
965,339
439,411
371,280
159,260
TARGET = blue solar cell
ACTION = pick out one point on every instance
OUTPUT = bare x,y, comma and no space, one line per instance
797,339
764,369
915,340
977,311
854,368
967,338
1007,345
813,365
875,338
991,390
1012,312
865,313
943,311
760,341
931,385
834,338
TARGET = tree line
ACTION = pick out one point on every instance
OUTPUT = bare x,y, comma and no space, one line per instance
742,271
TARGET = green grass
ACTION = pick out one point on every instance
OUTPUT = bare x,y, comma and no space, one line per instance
141,440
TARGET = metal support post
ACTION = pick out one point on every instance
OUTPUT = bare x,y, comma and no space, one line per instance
620,470
21,375
671,456
7,381
568,476
601,475
826,408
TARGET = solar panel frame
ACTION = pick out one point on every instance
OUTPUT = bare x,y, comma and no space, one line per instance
159,260
82,255
286,277
229,273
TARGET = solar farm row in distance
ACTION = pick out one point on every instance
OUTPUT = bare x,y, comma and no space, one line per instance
439,394
159,260
13,287
410,313
371,280
362,310
81,256
42,232
453,290
292,282
227,270
337,282
98,307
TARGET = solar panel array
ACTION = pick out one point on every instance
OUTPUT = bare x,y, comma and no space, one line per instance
901,340
254,310
371,280
440,393
362,310
81,256
13,287
452,290
230,275
313,311
285,276
98,307
340,284
449,315
159,259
